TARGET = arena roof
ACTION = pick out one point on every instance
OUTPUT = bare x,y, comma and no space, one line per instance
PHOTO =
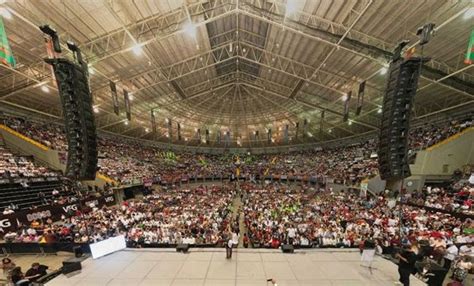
239,65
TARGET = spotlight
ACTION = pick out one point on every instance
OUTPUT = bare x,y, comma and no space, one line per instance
130,96
5,13
379,110
137,49
350,122
147,130
383,70
468,14
290,7
91,70
190,29
96,109
330,130
126,122
45,88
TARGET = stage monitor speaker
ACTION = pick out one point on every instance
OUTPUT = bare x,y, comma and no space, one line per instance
76,99
287,248
78,251
400,89
71,266
182,248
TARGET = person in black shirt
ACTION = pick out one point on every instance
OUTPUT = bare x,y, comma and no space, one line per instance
406,266
36,271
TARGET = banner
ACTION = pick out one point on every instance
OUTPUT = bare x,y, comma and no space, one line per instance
305,127
297,130
322,122
115,101
170,129
127,105
360,97
14,221
470,50
153,121
346,106
6,55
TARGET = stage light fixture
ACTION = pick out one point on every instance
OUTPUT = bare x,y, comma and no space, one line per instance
383,70
45,88
290,7
96,109
5,13
137,49
468,14
190,29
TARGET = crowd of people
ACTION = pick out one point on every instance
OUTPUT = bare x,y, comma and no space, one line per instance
21,167
194,216
454,197
277,214
127,161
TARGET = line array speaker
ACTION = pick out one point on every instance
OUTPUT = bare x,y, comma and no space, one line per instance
76,100
400,89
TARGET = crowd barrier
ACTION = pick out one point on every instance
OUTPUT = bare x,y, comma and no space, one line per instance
8,248
15,221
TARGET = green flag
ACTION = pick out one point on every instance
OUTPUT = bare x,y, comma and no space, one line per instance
6,55
470,51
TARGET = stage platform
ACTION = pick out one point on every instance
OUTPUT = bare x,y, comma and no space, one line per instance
248,267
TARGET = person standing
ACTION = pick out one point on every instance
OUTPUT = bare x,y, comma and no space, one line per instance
406,266
228,248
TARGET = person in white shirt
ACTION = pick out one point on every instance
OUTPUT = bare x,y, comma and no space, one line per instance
451,253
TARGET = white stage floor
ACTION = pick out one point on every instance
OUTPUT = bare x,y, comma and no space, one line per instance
249,267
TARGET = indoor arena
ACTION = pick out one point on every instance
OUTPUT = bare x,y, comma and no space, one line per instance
237,142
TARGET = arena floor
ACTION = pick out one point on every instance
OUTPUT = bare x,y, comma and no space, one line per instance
249,267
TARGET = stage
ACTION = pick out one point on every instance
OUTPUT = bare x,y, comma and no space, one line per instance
249,267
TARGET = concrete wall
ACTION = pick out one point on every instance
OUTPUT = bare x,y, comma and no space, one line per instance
446,156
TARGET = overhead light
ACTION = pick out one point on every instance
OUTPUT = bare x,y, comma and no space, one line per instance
5,13
126,122
290,7
383,70
190,29
350,122
91,70
185,139
468,14
379,110
45,88
130,96
344,97
95,109
147,130
310,134
137,49
330,130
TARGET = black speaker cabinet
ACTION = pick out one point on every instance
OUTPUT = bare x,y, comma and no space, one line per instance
182,248
287,248
71,266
